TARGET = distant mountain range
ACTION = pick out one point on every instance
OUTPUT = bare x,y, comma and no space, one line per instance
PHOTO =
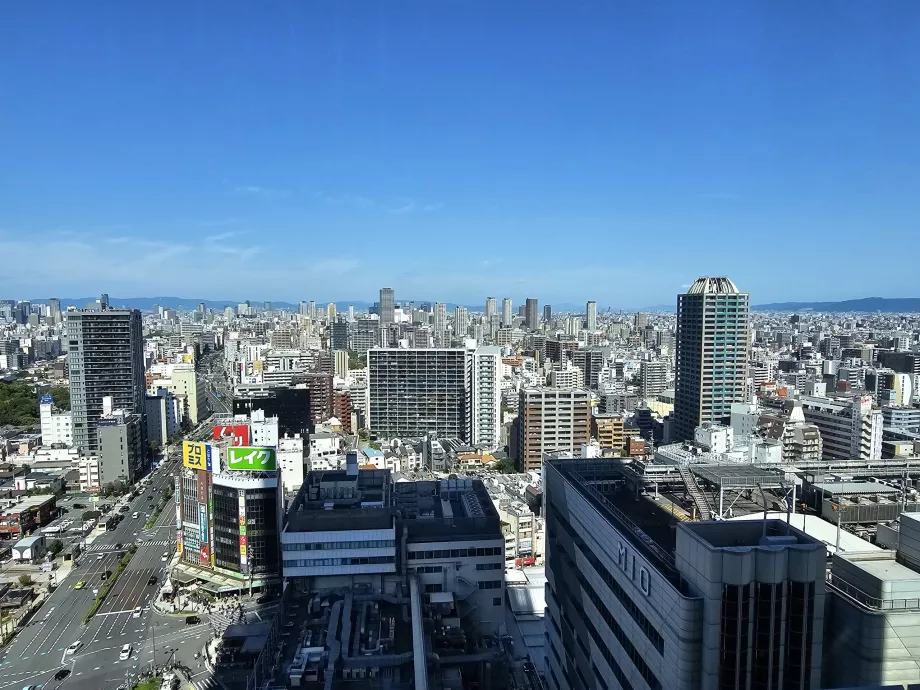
866,304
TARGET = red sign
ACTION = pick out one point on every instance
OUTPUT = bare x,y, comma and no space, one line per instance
238,433
242,540
205,555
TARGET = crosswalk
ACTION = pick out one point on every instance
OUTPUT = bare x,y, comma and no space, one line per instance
99,548
205,683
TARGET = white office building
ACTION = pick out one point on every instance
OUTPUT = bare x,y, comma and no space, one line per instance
56,425
851,429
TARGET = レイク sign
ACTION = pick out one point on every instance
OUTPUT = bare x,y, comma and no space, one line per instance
627,563
252,459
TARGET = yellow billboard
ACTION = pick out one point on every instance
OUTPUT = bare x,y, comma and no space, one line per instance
196,455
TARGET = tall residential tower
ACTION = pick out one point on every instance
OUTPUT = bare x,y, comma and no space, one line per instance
387,306
712,353
105,354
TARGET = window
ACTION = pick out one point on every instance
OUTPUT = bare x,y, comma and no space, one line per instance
496,601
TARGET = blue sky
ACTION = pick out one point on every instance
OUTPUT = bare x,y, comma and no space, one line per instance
453,150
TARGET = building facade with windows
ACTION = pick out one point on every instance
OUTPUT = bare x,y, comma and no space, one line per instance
716,606
105,356
712,354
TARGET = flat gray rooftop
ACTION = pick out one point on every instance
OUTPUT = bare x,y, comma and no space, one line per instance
738,476
853,488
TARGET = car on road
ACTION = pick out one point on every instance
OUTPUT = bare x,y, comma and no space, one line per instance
118,545
136,515
137,613
125,652
100,556
152,580
164,557
192,620
106,575
74,647
78,505
30,687
124,509
80,585
62,674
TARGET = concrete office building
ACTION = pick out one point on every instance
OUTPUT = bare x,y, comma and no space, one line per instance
712,353
591,316
485,397
547,313
387,306
609,430
552,420
105,355
445,536
507,312
228,521
708,606
413,392
531,314
164,414
851,428
184,382
56,425
122,437
653,377
491,307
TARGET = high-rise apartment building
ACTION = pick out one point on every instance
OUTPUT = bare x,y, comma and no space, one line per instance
547,313
591,316
640,321
491,307
591,362
440,323
712,353
485,396
413,392
507,312
330,312
552,419
851,428
105,355
531,315
461,321
387,306
653,377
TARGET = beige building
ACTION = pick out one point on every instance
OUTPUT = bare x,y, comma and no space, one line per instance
185,382
609,432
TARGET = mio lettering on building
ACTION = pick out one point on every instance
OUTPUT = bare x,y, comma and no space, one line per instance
638,574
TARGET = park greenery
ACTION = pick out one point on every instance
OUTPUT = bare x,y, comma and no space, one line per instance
19,403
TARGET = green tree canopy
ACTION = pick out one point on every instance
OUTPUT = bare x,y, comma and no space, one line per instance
18,404
61,395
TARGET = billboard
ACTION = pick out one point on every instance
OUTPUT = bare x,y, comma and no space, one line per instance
203,523
179,541
46,400
238,434
196,455
251,458
202,486
205,555
244,558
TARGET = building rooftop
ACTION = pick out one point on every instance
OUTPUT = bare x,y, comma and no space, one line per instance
854,488
707,285
749,534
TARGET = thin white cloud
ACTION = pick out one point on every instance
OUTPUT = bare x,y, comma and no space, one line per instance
264,192
220,237
410,206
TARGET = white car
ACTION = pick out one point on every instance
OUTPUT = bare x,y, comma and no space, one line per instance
100,556
125,652
136,515
74,647
164,557
137,613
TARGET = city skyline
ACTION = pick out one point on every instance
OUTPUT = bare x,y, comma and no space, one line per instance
209,154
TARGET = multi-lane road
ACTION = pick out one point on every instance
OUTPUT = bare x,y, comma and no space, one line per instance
39,651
